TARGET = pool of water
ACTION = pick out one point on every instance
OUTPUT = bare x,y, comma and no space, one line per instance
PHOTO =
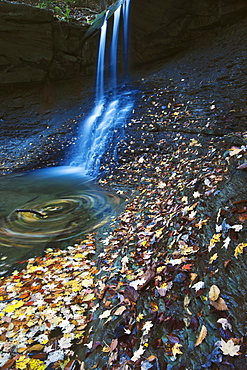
47,207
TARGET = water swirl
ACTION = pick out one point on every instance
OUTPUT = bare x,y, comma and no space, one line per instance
61,204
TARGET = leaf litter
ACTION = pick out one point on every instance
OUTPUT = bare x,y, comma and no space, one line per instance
154,293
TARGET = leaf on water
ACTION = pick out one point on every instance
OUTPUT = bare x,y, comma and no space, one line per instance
214,293
202,335
229,348
219,304
114,344
36,347
235,151
198,286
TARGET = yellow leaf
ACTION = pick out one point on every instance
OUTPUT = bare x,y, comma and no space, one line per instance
214,293
202,335
36,347
176,349
213,258
239,249
106,349
15,304
88,297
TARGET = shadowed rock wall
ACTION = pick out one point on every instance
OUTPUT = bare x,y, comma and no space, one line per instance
34,46
160,28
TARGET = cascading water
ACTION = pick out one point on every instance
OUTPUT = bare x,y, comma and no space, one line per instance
110,112
114,47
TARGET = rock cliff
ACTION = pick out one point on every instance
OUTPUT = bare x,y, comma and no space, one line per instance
35,46
160,29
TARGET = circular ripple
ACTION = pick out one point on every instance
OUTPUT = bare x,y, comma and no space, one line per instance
59,217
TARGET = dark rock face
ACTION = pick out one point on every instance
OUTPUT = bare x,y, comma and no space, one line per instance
160,28
34,46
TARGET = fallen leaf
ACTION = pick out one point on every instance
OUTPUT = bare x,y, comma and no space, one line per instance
202,335
242,166
214,293
229,348
120,310
114,344
239,249
220,304
176,349
225,324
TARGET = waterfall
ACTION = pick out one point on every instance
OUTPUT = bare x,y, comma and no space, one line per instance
111,110
114,47
101,61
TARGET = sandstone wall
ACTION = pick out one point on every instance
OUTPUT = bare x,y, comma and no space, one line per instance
34,46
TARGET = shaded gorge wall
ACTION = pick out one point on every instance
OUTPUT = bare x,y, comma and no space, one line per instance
35,46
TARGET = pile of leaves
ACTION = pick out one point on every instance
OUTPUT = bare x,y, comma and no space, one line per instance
163,288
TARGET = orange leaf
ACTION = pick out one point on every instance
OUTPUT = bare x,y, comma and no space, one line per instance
202,335
214,293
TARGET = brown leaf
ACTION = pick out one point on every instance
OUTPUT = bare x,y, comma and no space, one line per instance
220,304
8,364
214,293
202,335
131,294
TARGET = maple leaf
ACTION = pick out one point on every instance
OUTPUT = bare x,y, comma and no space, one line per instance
229,348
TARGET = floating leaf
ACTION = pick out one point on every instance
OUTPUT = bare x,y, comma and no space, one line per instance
225,324
202,335
214,293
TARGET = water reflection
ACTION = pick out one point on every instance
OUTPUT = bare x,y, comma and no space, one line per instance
52,204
